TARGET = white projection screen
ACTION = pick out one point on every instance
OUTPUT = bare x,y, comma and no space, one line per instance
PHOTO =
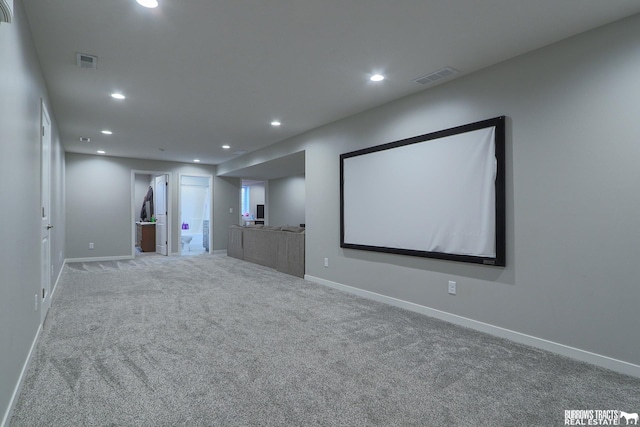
439,195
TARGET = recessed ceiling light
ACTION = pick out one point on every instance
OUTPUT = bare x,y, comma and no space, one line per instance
275,123
148,3
376,78
101,152
226,147
196,160
107,132
117,95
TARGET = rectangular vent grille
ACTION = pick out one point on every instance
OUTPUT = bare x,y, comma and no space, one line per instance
87,61
441,74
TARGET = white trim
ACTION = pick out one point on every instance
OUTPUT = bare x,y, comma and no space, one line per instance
55,285
18,388
564,350
101,258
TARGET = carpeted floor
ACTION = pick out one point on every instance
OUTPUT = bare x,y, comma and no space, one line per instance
214,341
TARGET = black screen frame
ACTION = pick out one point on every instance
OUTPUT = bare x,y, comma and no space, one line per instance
500,193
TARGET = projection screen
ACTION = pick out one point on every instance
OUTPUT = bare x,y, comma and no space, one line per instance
439,195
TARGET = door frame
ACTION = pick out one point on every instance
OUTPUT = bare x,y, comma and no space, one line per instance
46,272
179,185
161,181
134,217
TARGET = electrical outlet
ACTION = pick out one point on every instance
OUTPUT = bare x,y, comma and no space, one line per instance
452,287
35,307
90,245
230,210
326,262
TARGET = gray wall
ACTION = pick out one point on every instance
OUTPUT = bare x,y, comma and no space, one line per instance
99,203
23,88
572,201
226,196
287,200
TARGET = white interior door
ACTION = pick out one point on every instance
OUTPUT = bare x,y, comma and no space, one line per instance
45,221
160,197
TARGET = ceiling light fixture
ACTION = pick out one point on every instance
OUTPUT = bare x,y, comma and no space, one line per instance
148,3
107,132
196,160
376,78
101,152
275,123
117,95
226,147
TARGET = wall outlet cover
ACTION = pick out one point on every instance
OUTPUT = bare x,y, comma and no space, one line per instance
452,287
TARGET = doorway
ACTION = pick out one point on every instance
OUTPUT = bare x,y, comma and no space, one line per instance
252,202
195,214
150,213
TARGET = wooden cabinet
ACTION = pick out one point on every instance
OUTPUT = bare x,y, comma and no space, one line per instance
146,236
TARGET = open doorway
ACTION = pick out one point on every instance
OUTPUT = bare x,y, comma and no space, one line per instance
253,202
195,214
150,213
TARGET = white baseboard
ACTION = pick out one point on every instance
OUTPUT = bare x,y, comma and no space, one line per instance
104,258
564,350
55,285
18,388
25,367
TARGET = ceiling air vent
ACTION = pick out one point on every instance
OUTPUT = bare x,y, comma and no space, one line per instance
441,74
86,61
85,139
6,10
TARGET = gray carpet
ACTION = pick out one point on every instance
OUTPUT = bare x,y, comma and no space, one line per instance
215,341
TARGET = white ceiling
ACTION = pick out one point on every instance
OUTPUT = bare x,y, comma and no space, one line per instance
202,73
